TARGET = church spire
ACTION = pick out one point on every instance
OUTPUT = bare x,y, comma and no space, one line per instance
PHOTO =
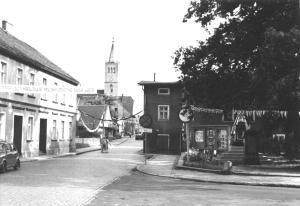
111,55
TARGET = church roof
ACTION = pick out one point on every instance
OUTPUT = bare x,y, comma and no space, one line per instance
20,51
111,55
127,102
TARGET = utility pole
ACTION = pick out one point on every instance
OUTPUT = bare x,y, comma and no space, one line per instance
187,130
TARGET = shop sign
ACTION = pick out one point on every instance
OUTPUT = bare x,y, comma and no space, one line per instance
147,130
199,136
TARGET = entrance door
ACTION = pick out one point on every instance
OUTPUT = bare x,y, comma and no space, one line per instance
18,124
163,143
43,135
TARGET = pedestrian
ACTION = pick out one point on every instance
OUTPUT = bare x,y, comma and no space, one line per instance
102,143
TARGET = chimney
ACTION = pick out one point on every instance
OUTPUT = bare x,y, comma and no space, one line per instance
4,23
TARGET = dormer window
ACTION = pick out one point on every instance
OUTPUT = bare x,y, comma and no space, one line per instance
164,91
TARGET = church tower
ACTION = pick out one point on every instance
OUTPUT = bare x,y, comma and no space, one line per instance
111,75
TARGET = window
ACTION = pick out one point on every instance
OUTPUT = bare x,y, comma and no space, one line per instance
70,130
44,96
2,126
3,73
227,116
29,128
19,76
31,81
63,98
62,129
9,147
55,95
54,130
163,112
111,88
163,91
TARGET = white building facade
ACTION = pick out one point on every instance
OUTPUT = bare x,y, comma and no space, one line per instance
36,123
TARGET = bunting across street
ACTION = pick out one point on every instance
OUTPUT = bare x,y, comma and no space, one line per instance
248,113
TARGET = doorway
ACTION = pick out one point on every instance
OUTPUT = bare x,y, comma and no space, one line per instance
43,135
18,124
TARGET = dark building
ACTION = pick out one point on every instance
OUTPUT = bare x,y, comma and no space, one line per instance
162,102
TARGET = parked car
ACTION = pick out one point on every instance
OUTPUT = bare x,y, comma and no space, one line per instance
139,136
9,156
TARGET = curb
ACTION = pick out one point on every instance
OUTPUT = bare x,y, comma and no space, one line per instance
86,151
179,165
46,157
262,174
218,182
66,155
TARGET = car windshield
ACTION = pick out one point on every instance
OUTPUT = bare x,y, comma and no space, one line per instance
2,148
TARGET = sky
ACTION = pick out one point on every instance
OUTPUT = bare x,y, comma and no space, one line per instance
77,36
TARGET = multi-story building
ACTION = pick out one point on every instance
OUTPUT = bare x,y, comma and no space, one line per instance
162,103
35,123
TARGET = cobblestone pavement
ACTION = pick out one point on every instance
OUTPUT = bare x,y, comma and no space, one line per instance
65,181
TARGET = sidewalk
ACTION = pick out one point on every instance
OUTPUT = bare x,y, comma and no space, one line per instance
115,142
171,166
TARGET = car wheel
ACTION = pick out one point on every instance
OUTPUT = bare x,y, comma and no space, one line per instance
17,165
4,167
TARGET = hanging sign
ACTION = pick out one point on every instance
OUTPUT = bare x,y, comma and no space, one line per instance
186,115
145,120
146,130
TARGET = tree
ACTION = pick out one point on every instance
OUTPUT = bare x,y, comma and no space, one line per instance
250,61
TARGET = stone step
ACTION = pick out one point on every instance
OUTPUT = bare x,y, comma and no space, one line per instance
242,152
236,149
234,161
232,156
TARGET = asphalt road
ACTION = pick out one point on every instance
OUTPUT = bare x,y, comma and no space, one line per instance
145,190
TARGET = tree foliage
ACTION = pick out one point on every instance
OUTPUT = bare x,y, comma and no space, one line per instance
250,60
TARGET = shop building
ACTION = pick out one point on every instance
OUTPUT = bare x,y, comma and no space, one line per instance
35,123
209,128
